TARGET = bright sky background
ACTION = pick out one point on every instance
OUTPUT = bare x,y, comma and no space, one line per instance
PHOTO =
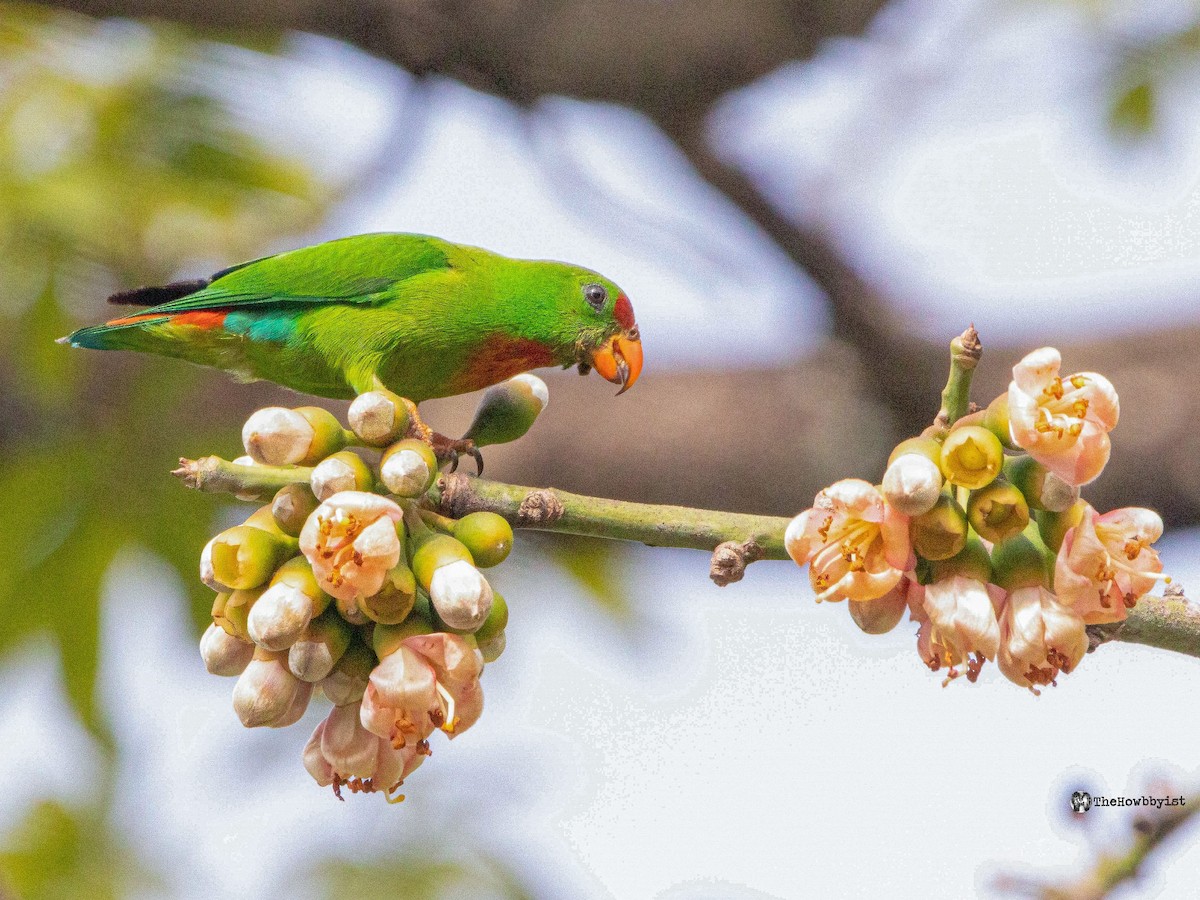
747,743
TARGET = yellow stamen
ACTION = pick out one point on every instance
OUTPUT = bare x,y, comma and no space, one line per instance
451,719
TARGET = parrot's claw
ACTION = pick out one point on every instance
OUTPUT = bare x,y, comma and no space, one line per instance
450,449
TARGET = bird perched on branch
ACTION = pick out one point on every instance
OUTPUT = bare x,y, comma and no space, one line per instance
420,316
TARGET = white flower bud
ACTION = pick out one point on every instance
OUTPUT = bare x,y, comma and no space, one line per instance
277,436
912,484
224,654
461,595
332,476
311,660
206,571
295,712
265,691
405,473
1057,494
279,617
374,417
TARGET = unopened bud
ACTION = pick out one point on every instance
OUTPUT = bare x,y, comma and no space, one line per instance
245,556
508,410
496,621
348,680
998,511
408,468
343,471
1019,563
488,537
279,617
995,420
265,690
207,576
349,608
292,506
492,647
912,484
394,601
231,612
222,653
280,437
298,707
437,551
972,561
461,595
1041,487
1053,526
941,532
971,457
386,639
378,417
881,615
313,656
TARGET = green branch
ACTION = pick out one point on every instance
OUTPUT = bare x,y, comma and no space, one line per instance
735,539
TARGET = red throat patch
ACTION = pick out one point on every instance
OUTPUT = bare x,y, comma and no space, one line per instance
623,312
501,357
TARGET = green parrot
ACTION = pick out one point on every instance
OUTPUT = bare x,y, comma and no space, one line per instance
423,317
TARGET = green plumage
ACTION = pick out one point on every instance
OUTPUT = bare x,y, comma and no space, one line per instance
425,317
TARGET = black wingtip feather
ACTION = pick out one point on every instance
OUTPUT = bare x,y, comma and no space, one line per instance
153,296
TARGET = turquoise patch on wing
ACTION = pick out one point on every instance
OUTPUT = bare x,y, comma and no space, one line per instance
274,327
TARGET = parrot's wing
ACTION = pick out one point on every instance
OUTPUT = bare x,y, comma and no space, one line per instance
357,269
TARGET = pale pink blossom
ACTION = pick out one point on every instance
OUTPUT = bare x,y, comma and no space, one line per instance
1106,564
960,626
351,542
856,546
1039,637
430,681
341,751
1062,422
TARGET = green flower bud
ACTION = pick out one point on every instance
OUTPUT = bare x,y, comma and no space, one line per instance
386,639
263,519
298,573
435,551
997,511
995,420
328,434
348,680
881,615
408,468
971,561
928,447
941,532
1018,563
1041,487
245,556
487,536
496,621
291,508
343,471
971,457
1053,526
351,611
395,599
379,417
232,611
318,650
508,410
492,647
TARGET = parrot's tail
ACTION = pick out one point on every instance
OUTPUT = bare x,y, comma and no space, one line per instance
132,333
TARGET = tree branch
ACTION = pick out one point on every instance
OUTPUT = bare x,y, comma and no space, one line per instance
736,539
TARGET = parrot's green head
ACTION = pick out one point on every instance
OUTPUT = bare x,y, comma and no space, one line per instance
598,316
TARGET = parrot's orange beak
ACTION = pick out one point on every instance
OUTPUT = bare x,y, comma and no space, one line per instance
619,360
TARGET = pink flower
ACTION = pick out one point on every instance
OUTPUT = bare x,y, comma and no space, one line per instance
1105,564
855,545
960,626
1039,637
430,681
341,751
1063,423
351,542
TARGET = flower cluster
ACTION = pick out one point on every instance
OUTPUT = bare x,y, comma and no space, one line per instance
979,533
348,583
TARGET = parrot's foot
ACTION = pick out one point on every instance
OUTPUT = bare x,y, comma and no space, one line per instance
450,449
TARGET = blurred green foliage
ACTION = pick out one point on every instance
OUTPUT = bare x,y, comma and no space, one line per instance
421,874
121,163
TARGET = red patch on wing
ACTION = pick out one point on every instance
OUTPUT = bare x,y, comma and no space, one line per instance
623,312
202,319
501,357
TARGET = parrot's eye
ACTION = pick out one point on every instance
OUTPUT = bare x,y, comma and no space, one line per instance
595,295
